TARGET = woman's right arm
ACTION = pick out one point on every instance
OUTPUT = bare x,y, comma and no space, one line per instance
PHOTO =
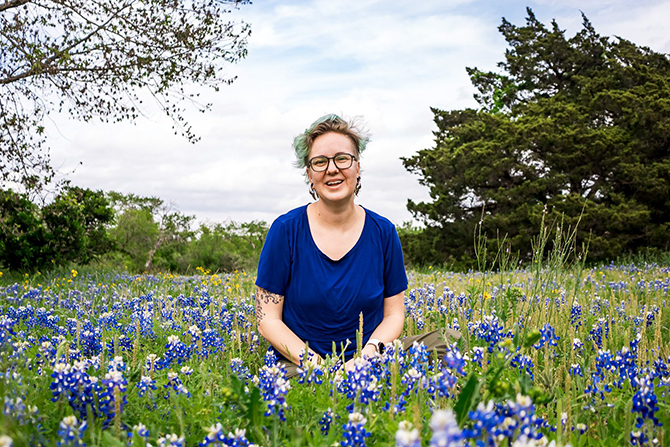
269,308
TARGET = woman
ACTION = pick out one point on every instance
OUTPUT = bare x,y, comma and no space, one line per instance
325,264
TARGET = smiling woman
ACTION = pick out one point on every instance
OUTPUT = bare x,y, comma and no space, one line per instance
329,264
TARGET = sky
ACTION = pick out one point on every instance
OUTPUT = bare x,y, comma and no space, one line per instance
387,62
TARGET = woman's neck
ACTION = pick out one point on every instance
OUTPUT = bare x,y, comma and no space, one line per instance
335,215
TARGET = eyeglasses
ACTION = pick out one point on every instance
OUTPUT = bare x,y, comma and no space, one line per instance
342,161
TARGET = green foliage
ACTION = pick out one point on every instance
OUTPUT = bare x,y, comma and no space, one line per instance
121,232
151,235
556,400
575,131
76,221
72,228
22,235
227,247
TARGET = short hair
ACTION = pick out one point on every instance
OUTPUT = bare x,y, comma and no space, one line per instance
303,143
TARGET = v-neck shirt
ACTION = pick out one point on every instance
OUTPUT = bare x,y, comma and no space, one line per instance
323,298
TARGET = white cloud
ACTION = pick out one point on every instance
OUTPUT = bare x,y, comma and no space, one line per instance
387,61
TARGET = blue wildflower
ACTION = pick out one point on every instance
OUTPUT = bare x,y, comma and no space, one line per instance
274,386
446,432
354,432
407,435
71,432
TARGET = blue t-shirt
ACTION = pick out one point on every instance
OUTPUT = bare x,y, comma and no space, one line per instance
324,298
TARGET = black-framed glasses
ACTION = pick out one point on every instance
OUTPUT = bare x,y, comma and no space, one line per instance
342,161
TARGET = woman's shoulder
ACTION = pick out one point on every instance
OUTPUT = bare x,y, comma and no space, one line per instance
291,217
379,221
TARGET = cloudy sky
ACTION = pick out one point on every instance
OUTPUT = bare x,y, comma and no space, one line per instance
387,61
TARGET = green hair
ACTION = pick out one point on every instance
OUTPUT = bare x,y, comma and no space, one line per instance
302,144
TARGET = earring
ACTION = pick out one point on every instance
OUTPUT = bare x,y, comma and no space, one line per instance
312,191
358,185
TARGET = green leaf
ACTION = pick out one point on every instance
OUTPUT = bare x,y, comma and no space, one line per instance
467,398
109,440
532,338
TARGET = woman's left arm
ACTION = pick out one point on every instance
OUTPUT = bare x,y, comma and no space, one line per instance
391,326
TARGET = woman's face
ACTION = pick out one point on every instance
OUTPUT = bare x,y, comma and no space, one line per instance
333,184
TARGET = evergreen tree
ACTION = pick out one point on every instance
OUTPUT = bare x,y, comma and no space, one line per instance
574,130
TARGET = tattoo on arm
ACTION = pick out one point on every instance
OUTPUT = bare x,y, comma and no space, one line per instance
265,297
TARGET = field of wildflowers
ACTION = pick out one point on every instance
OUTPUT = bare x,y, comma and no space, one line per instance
547,356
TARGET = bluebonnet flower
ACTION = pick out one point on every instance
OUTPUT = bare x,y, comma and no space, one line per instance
196,338
270,358
171,440
576,370
141,430
454,360
175,350
152,364
109,320
91,342
274,386
216,438
519,420
6,441
548,337
309,371
116,364
238,368
361,383
407,435
577,345
446,432
645,401
477,355
212,343
489,330
455,325
175,383
484,419
625,363
638,438
142,320
75,384
186,370
112,398
47,352
410,380
443,383
71,432
581,428
576,315
145,384
124,344
326,420
354,431
524,363
17,410
417,357
598,331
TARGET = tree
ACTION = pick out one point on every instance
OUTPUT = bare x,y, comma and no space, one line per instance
576,127
22,235
73,227
144,225
76,222
98,59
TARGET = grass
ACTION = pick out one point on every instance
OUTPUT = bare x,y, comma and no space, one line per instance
518,327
